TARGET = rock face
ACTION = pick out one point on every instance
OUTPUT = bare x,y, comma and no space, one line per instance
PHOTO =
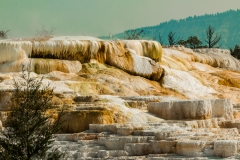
222,108
42,66
132,99
225,148
217,56
145,143
126,55
141,66
216,135
79,120
192,109
198,74
14,50
214,57
188,74
193,148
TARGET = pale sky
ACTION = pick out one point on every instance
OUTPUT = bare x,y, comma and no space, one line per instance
99,17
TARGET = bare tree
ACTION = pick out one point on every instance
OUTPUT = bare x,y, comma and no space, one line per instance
3,34
45,32
134,34
171,39
212,40
153,39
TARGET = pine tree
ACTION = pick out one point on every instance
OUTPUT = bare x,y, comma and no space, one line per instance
235,52
29,130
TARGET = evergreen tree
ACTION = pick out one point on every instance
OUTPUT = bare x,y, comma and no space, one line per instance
226,24
182,42
194,42
29,130
235,52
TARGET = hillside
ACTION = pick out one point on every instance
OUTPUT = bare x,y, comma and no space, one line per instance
131,99
226,24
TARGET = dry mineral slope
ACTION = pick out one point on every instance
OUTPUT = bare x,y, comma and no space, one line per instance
108,82
124,68
86,66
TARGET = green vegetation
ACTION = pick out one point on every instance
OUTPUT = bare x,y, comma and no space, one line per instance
45,32
212,40
3,34
191,42
194,42
160,38
29,129
134,34
225,24
235,52
171,38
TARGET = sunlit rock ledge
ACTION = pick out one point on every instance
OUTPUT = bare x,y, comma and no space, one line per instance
132,99
125,55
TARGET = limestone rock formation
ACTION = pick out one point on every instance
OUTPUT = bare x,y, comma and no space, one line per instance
132,99
162,140
192,109
42,66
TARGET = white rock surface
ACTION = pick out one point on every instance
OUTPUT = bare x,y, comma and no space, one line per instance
222,108
225,148
112,153
42,66
137,149
191,148
185,83
192,109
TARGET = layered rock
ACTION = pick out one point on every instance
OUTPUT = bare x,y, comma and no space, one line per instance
145,101
144,142
79,120
184,68
85,50
126,55
219,58
42,66
214,57
196,134
192,109
14,50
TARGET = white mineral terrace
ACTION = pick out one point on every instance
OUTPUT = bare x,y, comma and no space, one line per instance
209,131
132,99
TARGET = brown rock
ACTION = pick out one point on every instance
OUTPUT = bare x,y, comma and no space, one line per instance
77,121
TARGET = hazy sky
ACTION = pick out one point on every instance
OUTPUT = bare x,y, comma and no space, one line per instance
99,17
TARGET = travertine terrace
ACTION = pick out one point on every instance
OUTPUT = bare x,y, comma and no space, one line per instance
132,99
